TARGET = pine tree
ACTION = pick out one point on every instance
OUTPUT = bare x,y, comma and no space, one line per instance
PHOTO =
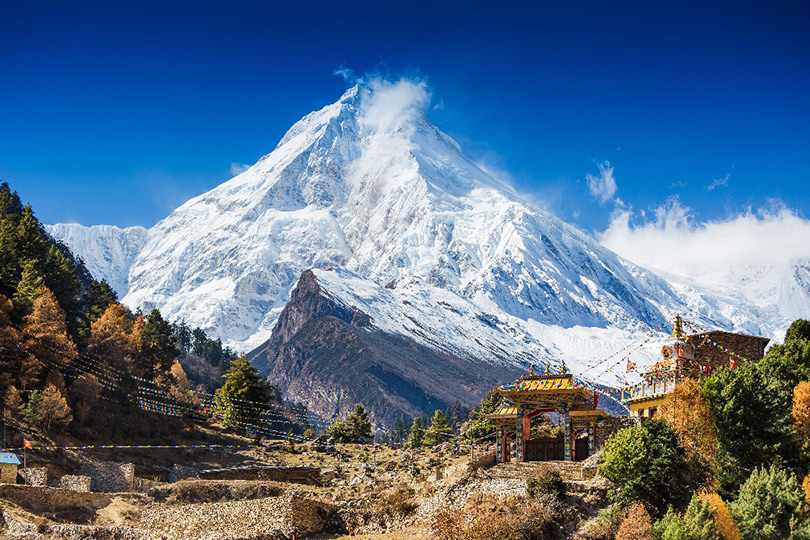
158,347
53,410
438,431
416,434
479,426
28,289
243,395
97,298
360,425
771,506
45,332
697,523
32,414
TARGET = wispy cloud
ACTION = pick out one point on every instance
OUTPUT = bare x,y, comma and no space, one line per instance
345,73
238,168
673,236
718,182
602,187
676,185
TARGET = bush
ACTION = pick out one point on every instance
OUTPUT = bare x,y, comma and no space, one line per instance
499,520
771,506
648,465
697,523
637,525
549,481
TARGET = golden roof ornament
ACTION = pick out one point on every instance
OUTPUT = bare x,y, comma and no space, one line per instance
548,370
531,370
677,328
562,370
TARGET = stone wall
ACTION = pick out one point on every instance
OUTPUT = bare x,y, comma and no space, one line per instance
296,475
35,476
75,483
607,427
751,347
182,472
109,476
8,473
268,518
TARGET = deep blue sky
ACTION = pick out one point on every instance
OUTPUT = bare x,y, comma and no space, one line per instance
117,112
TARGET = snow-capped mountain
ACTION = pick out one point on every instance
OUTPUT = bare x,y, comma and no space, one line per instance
422,240
107,251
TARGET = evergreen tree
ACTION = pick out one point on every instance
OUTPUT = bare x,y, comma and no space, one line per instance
244,393
45,332
97,298
798,331
771,506
438,431
158,347
28,289
648,465
479,426
416,434
697,523
355,429
183,333
32,415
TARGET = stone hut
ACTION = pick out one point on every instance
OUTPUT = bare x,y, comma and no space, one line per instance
9,463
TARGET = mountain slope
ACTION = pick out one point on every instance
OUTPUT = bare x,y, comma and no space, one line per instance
107,251
369,184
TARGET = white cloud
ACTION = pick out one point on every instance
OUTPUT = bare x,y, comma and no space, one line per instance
718,182
345,73
674,240
238,168
390,106
602,187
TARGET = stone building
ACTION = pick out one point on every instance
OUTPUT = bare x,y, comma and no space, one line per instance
9,463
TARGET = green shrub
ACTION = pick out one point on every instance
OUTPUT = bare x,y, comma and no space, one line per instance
771,506
549,482
697,523
648,465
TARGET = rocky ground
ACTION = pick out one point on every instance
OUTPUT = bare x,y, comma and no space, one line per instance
375,492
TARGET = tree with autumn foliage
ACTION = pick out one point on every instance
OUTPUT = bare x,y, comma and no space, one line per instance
16,364
54,410
113,339
637,525
45,332
801,408
687,412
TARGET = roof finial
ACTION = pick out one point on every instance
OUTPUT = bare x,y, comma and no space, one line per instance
677,328
531,371
562,370
548,369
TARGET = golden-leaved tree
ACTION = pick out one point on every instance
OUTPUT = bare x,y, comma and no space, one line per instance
801,407
113,338
686,410
45,332
54,410
637,525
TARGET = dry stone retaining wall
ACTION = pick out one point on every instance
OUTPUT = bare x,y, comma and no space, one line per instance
35,476
75,483
109,476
